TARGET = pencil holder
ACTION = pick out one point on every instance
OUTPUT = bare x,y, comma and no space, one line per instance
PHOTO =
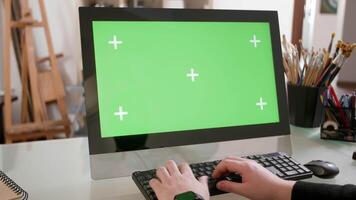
305,105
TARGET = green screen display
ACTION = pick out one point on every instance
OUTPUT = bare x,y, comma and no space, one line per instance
155,77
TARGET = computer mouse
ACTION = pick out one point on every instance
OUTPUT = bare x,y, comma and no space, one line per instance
322,169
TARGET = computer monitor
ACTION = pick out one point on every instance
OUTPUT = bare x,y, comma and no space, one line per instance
191,85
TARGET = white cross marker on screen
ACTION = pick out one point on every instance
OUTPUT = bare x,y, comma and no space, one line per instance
192,74
255,41
261,104
121,113
115,42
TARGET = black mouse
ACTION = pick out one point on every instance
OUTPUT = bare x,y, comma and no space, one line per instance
322,169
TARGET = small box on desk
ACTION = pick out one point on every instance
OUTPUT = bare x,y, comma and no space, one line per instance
339,124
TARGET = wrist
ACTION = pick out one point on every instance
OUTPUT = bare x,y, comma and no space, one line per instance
188,196
284,190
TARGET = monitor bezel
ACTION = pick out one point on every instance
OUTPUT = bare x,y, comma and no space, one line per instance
98,145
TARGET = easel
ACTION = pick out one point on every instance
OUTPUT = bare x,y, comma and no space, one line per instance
44,84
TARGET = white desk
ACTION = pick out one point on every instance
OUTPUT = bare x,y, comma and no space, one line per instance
59,169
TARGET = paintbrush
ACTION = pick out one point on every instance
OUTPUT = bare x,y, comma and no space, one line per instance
331,42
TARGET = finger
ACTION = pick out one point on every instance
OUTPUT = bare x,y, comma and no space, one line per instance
203,180
155,185
233,187
184,168
228,165
172,168
163,174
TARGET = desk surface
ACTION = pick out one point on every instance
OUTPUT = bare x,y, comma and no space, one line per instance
59,169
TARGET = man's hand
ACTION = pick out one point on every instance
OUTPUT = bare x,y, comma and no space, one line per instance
173,180
257,182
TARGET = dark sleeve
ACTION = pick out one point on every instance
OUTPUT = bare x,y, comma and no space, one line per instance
306,190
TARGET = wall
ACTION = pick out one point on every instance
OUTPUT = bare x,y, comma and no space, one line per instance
187,4
173,4
284,8
324,25
308,23
347,31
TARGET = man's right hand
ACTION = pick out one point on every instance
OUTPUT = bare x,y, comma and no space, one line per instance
257,182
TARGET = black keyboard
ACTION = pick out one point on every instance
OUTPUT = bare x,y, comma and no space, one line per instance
278,163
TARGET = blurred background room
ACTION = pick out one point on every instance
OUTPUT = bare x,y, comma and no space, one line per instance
310,20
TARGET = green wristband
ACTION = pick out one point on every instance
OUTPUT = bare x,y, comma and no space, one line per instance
188,196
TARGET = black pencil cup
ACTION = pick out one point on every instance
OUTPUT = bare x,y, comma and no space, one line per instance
305,105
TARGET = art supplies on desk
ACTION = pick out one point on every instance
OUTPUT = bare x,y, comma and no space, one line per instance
309,74
339,120
314,68
9,190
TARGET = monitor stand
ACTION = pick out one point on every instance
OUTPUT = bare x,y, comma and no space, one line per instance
121,164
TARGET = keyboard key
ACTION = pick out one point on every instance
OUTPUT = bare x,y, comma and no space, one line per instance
280,161
304,168
152,196
193,165
266,164
273,170
295,167
290,173
292,160
281,157
280,174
